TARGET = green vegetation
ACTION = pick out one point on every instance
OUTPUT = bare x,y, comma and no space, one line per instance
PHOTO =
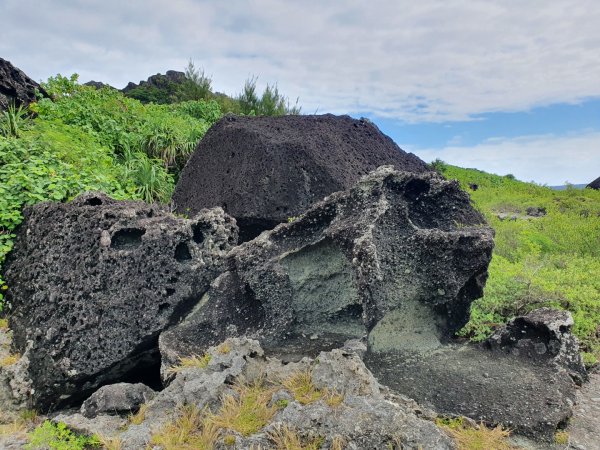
57,436
551,261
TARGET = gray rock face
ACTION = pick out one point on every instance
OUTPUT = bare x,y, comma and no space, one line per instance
117,399
264,170
93,283
542,336
16,87
399,257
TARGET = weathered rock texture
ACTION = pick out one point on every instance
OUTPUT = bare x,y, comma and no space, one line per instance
119,398
522,377
544,336
595,184
93,283
399,257
367,415
16,87
264,170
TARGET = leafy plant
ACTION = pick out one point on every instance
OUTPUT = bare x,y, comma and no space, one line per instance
57,436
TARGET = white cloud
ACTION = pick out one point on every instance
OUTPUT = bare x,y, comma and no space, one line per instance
418,61
545,159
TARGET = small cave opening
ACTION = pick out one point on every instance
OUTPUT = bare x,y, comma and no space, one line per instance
127,238
93,201
415,188
145,371
182,252
198,230
250,228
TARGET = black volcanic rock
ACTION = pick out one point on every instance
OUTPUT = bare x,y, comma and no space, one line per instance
98,84
264,170
16,87
595,184
159,80
399,257
93,282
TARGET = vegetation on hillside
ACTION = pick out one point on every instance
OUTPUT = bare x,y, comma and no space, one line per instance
552,261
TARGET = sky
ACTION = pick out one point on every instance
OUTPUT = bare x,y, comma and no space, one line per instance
503,86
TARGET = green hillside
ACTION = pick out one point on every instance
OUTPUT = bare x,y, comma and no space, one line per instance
552,260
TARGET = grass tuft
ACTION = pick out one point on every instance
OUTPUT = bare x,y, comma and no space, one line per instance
286,438
139,416
248,411
9,360
224,348
3,324
561,437
302,388
191,362
478,437
191,430
110,443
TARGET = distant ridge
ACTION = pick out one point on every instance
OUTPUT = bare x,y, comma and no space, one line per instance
564,187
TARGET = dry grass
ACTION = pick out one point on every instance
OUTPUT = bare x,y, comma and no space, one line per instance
139,416
9,360
110,443
3,324
302,388
561,437
333,398
190,362
248,411
192,430
286,438
224,348
17,425
338,443
476,438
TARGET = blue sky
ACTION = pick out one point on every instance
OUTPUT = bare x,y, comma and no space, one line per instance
507,87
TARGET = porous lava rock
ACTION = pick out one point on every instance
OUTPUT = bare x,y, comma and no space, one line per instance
93,282
543,336
399,257
595,184
16,87
158,81
264,170
118,398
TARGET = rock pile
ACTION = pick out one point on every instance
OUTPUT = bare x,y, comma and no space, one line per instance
126,304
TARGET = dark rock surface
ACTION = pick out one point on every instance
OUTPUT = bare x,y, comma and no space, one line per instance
93,283
264,170
493,387
16,87
119,398
595,184
399,257
98,84
542,336
159,80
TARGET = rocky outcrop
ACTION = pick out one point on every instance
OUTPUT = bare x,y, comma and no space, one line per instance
16,87
93,283
542,336
159,80
265,170
399,257
595,184
364,414
98,84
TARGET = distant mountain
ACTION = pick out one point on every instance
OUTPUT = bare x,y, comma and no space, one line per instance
595,184
564,187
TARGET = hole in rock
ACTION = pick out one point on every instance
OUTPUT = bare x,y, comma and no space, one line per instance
198,230
127,238
182,252
93,201
415,188
250,228
146,371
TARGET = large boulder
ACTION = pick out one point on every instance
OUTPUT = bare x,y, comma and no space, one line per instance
399,257
264,170
16,87
93,283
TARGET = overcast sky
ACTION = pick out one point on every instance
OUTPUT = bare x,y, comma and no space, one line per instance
505,86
